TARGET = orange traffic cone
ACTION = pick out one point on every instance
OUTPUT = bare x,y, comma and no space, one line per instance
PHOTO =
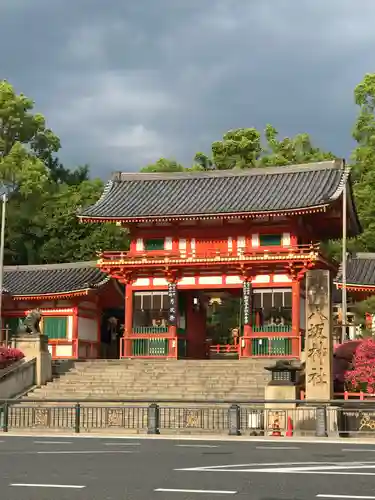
289,431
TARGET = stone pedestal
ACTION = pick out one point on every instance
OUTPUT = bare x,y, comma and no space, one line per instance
281,392
319,378
36,347
284,386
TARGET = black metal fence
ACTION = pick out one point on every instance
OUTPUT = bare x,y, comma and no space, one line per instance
276,418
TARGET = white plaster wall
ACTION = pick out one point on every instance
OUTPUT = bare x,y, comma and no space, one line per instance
210,280
64,351
255,240
182,245
87,329
241,243
286,240
69,333
168,243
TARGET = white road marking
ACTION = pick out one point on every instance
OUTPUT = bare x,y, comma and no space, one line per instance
197,446
83,452
122,444
346,496
324,468
220,468
357,449
327,468
277,448
30,485
53,442
212,492
330,473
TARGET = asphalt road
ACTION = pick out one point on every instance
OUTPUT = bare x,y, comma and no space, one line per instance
46,468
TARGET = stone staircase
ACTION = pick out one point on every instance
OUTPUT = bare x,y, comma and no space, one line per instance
200,380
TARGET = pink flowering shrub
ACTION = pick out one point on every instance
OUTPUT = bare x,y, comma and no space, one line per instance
361,377
8,356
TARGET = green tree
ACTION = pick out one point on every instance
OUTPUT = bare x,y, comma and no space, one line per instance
45,229
25,142
363,161
290,151
164,165
202,162
44,195
239,148
82,241
243,148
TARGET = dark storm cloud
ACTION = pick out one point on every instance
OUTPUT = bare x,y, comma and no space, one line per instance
125,83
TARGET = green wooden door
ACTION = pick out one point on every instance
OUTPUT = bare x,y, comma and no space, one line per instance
55,327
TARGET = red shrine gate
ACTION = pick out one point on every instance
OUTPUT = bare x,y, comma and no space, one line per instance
175,319
250,235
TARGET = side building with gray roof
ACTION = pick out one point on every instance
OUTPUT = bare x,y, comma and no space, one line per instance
74,299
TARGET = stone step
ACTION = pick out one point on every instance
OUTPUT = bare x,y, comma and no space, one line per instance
158,379
148,389
152,395
227,386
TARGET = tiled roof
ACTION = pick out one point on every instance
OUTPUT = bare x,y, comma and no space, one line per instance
360,271
130,196
52,279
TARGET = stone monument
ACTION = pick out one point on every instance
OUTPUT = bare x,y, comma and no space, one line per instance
318,346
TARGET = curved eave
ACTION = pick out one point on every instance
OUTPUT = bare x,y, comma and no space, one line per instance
62,295
54,296
237,215
356,288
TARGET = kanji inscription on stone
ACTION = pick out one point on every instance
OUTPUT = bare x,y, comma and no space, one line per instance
318,345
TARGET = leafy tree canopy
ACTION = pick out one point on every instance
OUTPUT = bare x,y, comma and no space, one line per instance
164,165
44,196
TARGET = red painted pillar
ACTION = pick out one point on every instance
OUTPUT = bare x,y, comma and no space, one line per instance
296,297
128,326
75,333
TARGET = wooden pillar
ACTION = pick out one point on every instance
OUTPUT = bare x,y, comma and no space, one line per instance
75,338
128,325
296,320
172,319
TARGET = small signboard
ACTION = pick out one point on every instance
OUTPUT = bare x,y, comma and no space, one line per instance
172,295
247,302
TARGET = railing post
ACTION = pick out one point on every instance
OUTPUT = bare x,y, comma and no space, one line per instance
234,420
321,422
5,417
153,419
77,418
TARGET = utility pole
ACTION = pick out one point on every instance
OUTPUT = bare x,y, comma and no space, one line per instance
2,244
344,258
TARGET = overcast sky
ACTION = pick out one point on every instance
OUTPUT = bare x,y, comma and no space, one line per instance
126,82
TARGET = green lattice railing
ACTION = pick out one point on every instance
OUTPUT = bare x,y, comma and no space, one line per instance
150,329
272,328
271,347
150,347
